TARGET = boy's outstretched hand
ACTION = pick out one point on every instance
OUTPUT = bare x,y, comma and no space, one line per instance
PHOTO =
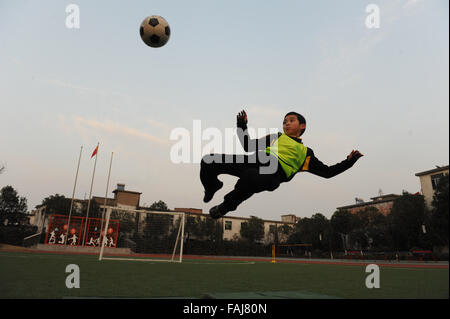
354,154
241,118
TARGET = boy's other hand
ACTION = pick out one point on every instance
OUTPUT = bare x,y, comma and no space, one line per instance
241,117
354,154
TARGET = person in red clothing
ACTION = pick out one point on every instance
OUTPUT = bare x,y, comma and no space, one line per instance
257,172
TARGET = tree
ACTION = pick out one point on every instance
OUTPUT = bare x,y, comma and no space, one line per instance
283,232
440,212
370,229
369,216
343,222
157,225
127,220
192,227
56,204
159,206
314,231
253,229
12,207
94,209
320,228
280,234
407,216
211,229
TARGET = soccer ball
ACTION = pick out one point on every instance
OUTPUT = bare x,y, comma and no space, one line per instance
155,31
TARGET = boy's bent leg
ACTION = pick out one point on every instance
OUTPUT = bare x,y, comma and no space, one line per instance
213,165
209,170
251,182
242,191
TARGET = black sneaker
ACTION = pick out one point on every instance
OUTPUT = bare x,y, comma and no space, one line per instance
209,194
218,211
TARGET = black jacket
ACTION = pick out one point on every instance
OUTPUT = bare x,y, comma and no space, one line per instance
312,164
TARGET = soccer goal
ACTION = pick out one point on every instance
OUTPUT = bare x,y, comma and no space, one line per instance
141,235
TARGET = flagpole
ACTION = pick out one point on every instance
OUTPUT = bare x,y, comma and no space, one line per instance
106,196
90,194
73,195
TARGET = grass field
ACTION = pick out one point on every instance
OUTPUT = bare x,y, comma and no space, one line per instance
42,275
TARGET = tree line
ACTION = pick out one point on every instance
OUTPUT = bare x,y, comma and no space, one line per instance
410,224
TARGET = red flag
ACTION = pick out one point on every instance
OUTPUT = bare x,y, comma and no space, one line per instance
95,152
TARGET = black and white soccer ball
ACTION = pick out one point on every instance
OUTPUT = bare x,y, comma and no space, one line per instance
155,31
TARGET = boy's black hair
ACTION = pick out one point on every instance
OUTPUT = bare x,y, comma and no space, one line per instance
300,118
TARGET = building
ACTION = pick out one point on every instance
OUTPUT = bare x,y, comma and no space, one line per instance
232,228
383,203
290,218
232,225
429,180
131,200
122,198
39,218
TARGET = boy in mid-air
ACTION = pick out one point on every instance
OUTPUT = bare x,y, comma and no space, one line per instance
277,158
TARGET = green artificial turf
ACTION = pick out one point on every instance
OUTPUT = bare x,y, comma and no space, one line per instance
39,275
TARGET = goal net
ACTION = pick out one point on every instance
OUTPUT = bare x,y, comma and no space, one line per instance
142,235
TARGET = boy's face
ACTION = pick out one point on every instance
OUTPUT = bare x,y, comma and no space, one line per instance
292,127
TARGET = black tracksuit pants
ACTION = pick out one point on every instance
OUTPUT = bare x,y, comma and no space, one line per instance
247,167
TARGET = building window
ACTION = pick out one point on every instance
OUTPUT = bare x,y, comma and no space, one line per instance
435,180
272,228
227,225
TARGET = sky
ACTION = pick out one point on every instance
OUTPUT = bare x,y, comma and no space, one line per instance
382,91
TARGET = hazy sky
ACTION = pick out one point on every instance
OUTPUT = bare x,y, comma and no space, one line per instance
383,91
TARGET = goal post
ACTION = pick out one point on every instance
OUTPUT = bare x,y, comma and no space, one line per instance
142,235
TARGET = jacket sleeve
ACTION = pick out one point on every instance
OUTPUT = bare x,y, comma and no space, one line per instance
252,145
315,166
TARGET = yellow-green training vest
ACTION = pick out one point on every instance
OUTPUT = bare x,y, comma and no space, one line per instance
290,153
